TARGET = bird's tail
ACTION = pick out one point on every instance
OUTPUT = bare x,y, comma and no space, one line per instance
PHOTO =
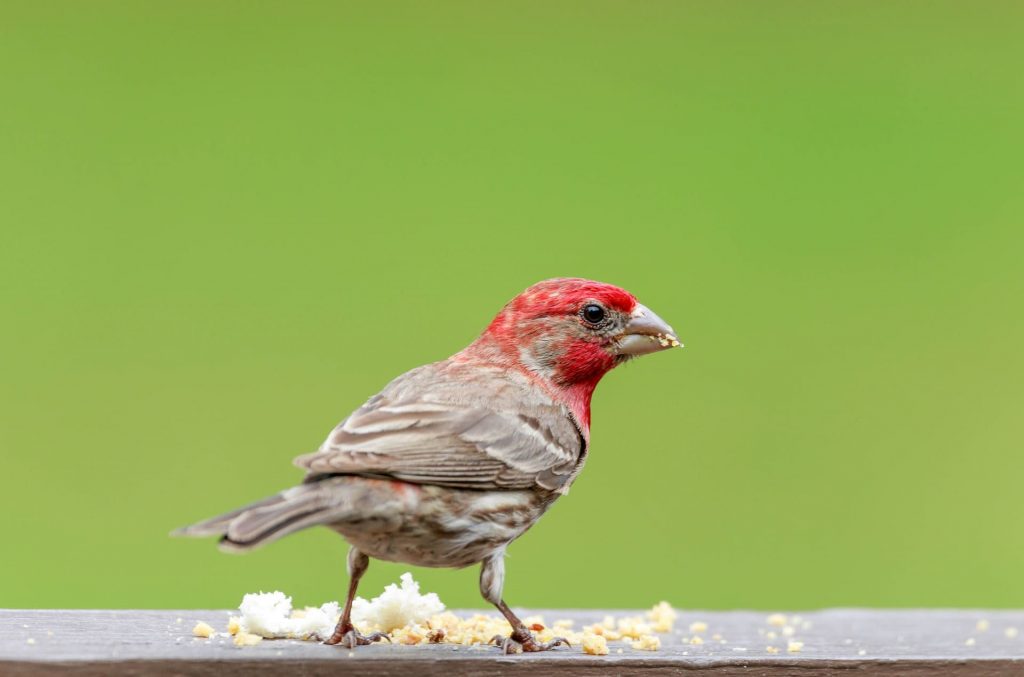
276,516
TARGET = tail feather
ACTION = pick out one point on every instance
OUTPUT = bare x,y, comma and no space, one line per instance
217,526
276,516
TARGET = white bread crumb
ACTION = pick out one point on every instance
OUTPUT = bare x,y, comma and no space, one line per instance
269,614
396,607
778,620
1010,632
794,647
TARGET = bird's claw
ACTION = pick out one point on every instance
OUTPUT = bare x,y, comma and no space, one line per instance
351,638
506,644
526,642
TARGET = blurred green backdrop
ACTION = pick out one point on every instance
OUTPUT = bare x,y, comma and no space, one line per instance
224,225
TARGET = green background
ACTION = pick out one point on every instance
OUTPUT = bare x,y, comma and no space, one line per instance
226,224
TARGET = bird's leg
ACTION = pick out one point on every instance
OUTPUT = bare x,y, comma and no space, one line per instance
345,633
492,580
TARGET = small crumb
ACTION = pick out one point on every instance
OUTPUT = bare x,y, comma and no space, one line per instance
770,635
203,630
647,643
1010,632
981,626
778,620
847,641
632,627
696,639
969,641
179,621
794,647
30,641
618,651
234,625
698,626
739,648
564,624
662,617
409,635
771,649
247,639
862,652
717,637
351,654
595,645
788,631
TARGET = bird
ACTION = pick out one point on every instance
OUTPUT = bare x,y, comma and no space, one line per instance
454,460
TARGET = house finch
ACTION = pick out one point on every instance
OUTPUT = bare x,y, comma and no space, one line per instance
454,460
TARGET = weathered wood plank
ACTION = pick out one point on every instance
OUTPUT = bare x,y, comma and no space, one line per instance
911,642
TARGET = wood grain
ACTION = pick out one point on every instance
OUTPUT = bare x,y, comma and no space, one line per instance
883,642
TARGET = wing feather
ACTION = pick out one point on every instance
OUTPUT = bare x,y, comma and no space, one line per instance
423,428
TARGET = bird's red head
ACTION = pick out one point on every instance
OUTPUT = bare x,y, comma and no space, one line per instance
569,332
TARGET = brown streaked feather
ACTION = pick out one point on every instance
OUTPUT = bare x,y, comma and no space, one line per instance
439,425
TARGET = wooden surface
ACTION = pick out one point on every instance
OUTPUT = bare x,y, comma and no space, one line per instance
86,642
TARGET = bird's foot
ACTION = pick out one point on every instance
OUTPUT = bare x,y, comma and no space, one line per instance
349,637
522,641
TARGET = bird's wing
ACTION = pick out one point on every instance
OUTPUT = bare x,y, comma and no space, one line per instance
419,432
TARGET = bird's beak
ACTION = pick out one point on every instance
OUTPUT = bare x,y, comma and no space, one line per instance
645,333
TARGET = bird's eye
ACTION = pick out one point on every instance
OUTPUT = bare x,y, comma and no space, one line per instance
593,313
